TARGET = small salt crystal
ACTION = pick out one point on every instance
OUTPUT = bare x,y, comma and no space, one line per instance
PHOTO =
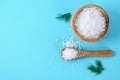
57,40
69,53
90,23
63,44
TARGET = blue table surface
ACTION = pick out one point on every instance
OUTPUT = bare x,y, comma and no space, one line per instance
28,46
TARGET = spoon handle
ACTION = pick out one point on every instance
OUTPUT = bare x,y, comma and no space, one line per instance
96,53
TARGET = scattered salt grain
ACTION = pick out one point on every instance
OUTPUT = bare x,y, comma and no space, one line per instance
56,40
90,23
69,53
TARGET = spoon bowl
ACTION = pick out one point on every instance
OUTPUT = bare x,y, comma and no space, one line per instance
70,58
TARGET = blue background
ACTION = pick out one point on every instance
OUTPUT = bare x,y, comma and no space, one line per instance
31,40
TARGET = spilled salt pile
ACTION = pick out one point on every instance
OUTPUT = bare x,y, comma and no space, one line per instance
69,53
90,23
72,43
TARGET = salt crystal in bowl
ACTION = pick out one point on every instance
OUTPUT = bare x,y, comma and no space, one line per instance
90,23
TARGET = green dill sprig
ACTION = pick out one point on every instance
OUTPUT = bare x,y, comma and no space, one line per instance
65,17
98,69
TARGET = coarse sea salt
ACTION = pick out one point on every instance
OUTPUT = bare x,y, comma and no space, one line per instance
90,23
69,53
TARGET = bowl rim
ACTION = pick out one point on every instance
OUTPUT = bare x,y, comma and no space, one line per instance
81,36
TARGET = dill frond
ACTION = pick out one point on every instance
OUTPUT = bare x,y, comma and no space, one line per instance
98,69
65,17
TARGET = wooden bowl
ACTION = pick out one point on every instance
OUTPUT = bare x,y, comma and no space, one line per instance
81,36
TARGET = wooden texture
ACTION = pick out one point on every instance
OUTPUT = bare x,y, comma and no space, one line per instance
95,53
